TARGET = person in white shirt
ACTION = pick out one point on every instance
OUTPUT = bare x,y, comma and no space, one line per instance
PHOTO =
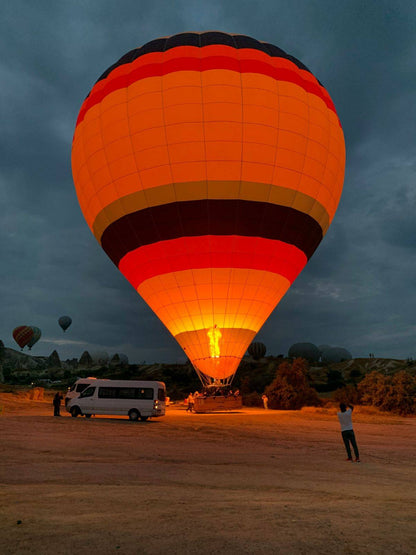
345,419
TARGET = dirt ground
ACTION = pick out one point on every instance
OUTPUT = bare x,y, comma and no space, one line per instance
249,482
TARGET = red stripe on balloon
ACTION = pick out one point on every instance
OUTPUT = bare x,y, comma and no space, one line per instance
201,64
212,251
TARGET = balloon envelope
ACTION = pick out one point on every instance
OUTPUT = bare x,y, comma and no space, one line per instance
35,337
65,322
257,350
335,354
309,351
22,335
209,167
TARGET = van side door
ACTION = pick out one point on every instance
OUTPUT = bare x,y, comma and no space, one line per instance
86,400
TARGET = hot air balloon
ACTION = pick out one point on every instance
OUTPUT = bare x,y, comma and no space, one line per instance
336,354
257,350
35,337
65,322
209,167
22,335
309,351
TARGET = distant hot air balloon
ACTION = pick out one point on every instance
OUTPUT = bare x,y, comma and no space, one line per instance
35,337
22,335
335,354
209,167
309,351
65,322
257,350
323,348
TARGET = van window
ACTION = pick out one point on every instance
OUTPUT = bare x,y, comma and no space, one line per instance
89,392
144,393
81,387
161,394
125,393
107,392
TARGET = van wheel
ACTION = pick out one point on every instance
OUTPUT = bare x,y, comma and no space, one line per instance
88,416
75,412
144,418
134,415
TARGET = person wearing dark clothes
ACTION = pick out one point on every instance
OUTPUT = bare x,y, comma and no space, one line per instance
345,419
191,403
57,404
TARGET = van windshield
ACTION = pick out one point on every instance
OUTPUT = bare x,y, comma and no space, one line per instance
89,392
81,387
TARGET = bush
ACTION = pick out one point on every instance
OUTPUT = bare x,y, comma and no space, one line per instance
252,400
348,395
389,393
290,389
334,380
355,374
373,389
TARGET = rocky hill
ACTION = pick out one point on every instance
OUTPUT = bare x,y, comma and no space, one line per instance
18,360
366,365
254,375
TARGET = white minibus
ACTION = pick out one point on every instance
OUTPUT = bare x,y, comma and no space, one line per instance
135,399
77,388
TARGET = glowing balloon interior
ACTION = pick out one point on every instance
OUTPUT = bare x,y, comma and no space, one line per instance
209,167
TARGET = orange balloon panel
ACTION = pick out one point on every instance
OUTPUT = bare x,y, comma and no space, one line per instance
234,301
209,167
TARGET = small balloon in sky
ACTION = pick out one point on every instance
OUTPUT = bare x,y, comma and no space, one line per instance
65,322
35,337
22,335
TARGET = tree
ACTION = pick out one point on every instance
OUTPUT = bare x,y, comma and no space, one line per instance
373,389
2,353
355,375
290,389
390,393
401,395
334,379
348,395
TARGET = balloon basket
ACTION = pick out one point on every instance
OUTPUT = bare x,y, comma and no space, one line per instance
217,404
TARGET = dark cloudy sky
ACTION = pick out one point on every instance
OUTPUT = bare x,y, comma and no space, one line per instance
358,289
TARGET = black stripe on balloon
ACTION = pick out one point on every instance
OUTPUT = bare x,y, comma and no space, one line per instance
211,217
200,40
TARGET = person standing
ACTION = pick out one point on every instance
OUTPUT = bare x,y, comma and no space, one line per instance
190,400
348,436
265,401
57,404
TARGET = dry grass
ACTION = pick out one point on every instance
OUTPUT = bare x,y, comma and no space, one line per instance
249,482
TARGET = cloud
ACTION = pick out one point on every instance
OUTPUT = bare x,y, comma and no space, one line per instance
61,342
356,289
